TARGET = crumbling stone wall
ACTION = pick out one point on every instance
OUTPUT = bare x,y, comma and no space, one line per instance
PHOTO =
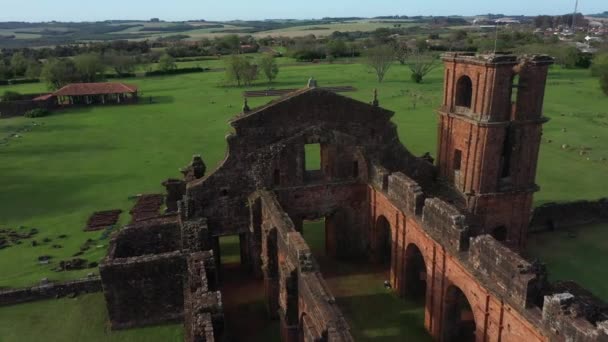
504,290
203,308
143,274
50,290
298,295
555,216
268,147
150,237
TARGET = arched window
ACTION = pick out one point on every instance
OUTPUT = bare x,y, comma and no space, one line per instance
415,273
383,241
464,92
459,321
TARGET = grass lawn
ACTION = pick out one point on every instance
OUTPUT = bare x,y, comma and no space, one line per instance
373,312
80,319
579,255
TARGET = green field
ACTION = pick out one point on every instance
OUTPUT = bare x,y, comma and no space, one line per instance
576,254
73,319
79,161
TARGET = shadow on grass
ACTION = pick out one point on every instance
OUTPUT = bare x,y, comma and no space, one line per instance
152,99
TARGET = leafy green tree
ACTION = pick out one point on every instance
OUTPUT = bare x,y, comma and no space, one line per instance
33,69
166,63
269,67
337,48
600,62
380,59
240,71
59,72
5,71
121,62
18,64
604,82
90,67
420,64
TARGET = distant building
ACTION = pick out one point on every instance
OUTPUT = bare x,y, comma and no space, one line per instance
96,93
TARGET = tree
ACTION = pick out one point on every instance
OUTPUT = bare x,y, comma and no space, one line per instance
18,64
269,67
121,63
166,63
420,64
600,62
380,59
240,71
33,69
401,52
59,72
604,81
5,71
90,67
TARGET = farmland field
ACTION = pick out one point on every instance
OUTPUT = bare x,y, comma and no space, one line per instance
62,168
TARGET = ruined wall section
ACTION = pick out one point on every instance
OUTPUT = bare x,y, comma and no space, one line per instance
446,224
563,317
555,216
511,283
267,146
203,308
344,205
305,305
142,275
518,281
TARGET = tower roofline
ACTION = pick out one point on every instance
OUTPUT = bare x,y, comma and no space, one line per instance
494,59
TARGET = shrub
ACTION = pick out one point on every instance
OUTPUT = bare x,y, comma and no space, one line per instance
24,81
175,71
37,113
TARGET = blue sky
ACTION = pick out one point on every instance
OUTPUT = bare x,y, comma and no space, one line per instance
88,10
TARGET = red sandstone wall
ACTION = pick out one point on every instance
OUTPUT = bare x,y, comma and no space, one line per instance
495,320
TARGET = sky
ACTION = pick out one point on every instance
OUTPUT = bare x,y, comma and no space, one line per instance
177,10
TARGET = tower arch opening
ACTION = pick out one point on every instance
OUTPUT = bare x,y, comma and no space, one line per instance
464,92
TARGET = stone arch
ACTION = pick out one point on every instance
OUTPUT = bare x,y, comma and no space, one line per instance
459,323
415,273
464,92
382,241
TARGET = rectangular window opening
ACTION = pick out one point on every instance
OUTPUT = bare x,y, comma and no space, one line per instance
355,169
312,156
457,160
507,150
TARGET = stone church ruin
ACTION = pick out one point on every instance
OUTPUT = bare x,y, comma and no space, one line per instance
452,232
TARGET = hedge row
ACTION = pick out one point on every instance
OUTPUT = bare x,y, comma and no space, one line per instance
19,81
176,71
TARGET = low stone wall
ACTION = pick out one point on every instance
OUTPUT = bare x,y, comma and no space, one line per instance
49,290
555,216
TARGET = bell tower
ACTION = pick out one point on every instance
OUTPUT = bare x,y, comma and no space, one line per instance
490,128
